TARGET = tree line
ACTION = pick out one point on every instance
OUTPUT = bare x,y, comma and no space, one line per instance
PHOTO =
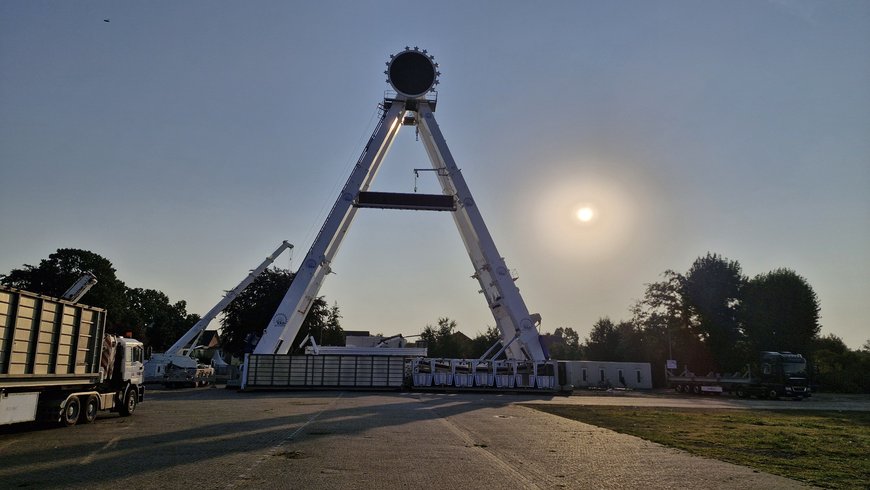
710,318
148,314
713,318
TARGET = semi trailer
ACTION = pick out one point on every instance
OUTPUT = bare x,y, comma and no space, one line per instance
777,374
58,364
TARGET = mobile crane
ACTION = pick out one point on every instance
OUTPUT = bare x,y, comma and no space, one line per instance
176,367
413,74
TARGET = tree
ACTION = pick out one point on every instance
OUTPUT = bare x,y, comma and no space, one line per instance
666,324
632,343
164,323
323,324
54,275
483,341
439,340
250,313
564,343
712,288
837,368
332,333
780,312
603,341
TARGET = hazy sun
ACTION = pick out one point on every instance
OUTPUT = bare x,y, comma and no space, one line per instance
585,214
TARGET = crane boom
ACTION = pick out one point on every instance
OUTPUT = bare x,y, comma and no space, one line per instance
181,344
287,320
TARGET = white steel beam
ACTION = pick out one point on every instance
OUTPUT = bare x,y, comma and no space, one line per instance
502,295
285,323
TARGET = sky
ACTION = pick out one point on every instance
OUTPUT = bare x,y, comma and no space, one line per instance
184,141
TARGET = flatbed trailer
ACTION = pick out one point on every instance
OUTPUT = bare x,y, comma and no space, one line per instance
779,374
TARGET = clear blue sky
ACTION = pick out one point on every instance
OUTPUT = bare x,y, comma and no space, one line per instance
185,140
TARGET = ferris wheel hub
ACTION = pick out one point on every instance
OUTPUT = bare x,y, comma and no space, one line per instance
412,72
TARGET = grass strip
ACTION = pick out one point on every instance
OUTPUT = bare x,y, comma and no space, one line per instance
829,449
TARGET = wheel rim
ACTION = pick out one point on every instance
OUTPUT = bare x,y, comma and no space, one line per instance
91,409
72,411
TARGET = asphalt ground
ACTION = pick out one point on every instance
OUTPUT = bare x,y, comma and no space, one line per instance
214,438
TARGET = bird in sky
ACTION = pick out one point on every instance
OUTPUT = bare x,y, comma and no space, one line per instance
106,20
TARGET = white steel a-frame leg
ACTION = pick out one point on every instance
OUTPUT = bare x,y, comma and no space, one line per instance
518,328
285,323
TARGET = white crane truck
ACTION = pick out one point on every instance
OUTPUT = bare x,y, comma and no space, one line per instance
57,364
176,367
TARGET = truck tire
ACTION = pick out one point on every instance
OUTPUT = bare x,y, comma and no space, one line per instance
71,411
741,393
129,403
772,394
90,409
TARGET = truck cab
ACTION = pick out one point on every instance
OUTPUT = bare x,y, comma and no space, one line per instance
133,360
784,374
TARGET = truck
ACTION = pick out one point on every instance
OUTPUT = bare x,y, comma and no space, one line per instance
193,375
58,364
777,374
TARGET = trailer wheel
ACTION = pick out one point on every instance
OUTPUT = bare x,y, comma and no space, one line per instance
741,393
678,388
772,394
71,411
687,389
129,406
89,410
697,389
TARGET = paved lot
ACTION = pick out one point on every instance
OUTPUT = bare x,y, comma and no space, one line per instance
214,438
